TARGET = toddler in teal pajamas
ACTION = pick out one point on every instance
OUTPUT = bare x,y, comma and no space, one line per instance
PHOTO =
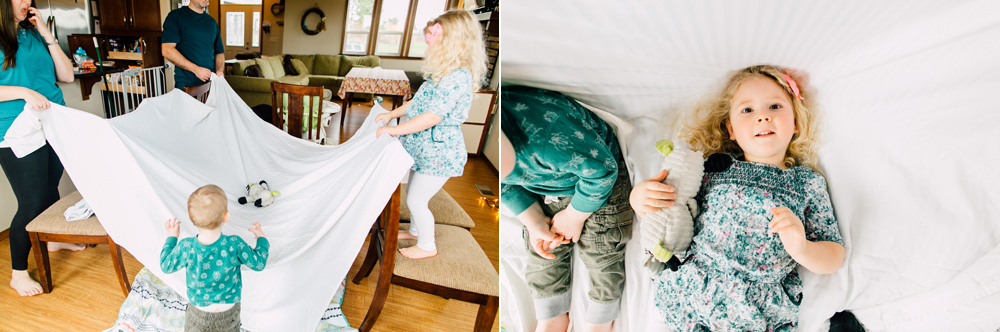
212,261
564,152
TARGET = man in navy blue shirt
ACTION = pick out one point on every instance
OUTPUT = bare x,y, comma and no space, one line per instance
192,41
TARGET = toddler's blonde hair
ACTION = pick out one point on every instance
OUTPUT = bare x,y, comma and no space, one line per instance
706,129
460,46
206,206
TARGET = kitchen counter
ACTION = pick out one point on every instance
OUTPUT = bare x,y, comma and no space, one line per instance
89,78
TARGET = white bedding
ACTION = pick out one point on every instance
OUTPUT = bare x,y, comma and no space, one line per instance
137,170
909,93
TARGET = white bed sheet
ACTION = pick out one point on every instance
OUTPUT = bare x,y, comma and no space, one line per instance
137,170
909,94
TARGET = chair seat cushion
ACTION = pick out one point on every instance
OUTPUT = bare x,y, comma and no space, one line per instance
460,263
445,209
52,221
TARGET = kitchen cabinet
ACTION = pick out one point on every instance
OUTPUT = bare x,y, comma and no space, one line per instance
475,127
127,17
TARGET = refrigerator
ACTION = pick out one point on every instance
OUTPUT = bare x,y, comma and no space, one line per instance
64,18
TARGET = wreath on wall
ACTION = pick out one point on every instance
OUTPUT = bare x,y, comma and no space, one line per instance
319,27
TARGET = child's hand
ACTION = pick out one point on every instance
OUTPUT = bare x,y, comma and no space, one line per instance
651,195
569,223
789,228
173,227
543,239
391,130
384,117
256,230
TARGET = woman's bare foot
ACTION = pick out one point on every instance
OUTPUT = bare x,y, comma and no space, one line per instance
23,284
415,252
56,246
405,235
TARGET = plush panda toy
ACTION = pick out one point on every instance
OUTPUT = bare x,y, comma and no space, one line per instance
666,234
259,194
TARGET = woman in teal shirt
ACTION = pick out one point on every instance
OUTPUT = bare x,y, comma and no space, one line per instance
32,62
454,66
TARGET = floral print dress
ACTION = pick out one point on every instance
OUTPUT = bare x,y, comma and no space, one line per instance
440,150
738,276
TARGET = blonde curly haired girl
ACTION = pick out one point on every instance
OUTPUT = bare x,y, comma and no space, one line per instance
760,136
454,69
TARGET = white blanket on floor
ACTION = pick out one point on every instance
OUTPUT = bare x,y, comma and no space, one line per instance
138,169
908,90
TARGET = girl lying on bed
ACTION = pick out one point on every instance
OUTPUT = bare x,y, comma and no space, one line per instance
764,210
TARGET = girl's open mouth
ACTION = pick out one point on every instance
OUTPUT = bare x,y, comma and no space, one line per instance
764,133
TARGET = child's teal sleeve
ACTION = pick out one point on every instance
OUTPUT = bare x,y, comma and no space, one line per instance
172,257
254,258
595,166
516,198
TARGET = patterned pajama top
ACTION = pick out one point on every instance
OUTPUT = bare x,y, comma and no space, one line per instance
440,150
213,271
738,276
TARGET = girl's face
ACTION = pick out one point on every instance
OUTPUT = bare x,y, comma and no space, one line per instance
761,121
20,9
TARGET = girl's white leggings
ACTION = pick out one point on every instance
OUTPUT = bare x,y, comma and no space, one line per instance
419,191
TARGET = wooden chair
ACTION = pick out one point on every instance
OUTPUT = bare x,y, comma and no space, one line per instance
302,103
460,271
51,225
199,92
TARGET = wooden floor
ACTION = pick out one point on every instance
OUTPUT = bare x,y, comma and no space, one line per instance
86,295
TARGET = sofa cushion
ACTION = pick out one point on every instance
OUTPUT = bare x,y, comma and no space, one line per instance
265,68
277,65
326,65
307,59
300,67
327,81
297,80
348,62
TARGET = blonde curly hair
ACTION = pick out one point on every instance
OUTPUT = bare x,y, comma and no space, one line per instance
460,46
706,129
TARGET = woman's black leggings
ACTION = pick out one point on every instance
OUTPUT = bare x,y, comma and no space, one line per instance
35,181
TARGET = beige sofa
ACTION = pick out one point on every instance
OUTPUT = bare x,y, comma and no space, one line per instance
323,70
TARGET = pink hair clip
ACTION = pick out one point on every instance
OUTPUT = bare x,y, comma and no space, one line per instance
791,84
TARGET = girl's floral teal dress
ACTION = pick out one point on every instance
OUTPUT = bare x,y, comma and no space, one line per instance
440,150
737,276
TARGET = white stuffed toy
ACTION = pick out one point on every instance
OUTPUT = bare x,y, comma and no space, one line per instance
666,234
259,194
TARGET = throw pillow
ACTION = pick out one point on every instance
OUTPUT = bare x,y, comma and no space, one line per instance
300,67
289,69
253,71
265,68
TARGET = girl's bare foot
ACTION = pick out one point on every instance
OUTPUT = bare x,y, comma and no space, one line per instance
415,252
24,285
56,246
405,235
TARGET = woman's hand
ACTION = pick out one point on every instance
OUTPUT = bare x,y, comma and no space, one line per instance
35,99
36,19
385,117
789,228
391,130
173,227
651,195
